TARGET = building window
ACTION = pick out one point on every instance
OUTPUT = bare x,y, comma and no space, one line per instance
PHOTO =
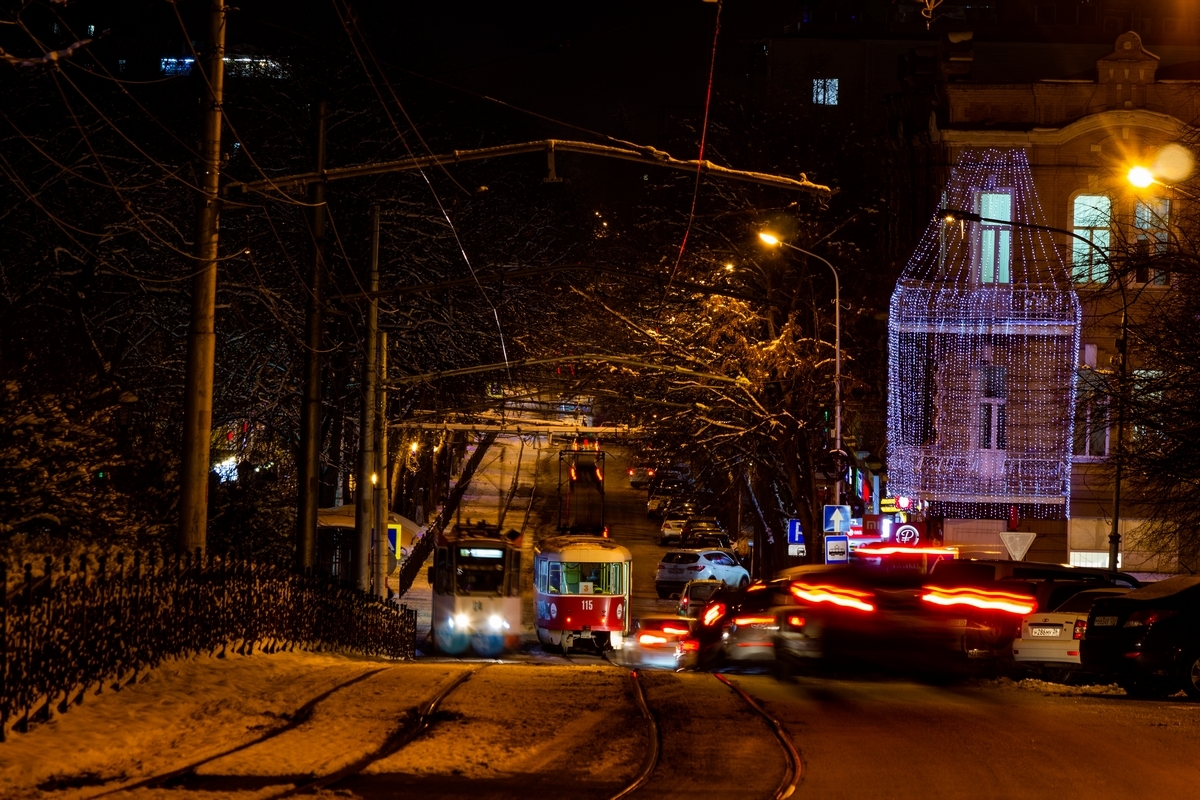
993,242
825,91
91,30
1092,220
1151,221
120,65
992,408
1092,558
1091,412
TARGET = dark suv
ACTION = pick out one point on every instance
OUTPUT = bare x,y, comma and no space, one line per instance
1148,639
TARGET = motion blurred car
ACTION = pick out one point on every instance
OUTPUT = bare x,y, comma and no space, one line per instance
981,572
695,595
680,566
662,643
1148,639
640,476
1050,641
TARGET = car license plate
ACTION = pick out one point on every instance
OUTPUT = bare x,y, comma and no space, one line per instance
1100,621
1045,630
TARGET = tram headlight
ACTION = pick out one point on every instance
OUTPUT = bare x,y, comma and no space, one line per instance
461,621
495,622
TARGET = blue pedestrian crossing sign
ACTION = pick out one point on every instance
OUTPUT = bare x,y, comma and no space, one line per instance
837,519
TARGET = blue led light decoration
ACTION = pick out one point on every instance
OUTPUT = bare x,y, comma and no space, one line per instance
983,338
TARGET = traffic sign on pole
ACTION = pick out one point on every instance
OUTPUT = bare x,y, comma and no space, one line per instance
837,519
837,549
795,537
1017,543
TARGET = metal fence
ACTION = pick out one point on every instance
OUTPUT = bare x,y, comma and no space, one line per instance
72,628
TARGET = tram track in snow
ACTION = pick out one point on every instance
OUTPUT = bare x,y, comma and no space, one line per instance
795,770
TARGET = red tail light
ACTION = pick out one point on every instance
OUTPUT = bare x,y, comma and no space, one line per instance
980,598
796,622
837,595
753,620
629,472
1140,618
689,646
713,613
676,631
696,568
650,638
1080,629
650,472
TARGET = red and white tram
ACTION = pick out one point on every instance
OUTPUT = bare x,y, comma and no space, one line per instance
581,591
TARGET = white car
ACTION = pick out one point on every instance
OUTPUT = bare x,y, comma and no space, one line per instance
671,531
1050,640
680,566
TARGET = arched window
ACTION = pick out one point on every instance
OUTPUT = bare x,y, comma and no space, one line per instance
1091,216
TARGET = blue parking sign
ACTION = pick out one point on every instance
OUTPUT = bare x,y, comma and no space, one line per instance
795,532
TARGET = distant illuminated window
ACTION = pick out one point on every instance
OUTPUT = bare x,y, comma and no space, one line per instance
1152,219
994,239
91,30
120,65
1092,220
172,67
825,91
1084,558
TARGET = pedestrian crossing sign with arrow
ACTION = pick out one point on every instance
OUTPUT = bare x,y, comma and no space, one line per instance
837,519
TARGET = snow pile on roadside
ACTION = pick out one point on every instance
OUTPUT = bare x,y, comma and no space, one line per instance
1047,687
179,713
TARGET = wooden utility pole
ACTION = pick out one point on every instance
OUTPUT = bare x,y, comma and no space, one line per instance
382,495
308,483
364,507
202,337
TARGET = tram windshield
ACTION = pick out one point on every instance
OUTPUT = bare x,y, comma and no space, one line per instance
479,570
571,577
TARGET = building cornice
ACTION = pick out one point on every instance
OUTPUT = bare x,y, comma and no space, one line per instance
1105,122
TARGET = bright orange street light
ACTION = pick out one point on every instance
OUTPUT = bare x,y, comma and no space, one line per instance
1140,177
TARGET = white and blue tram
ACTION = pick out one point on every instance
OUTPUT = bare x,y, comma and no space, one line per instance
476,580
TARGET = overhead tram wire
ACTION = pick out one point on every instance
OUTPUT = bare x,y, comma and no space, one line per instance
428,183
712,66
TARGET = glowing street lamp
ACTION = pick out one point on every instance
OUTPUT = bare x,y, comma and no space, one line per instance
1140,177
775,241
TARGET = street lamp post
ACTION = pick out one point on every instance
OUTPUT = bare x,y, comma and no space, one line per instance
952,215
775,241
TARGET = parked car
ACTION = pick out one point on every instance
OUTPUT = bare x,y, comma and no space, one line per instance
659,497
662,643
697,525
670,531
680,566
1050,641
1148,639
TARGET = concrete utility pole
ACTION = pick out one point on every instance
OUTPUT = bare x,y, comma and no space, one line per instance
382,495
364,506
202,337
308,488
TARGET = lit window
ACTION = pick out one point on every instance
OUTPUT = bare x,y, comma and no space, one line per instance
994,241
825,91
1152,219
91,30
172,67
992,408
1084,558
120,65
1092,215
1091,416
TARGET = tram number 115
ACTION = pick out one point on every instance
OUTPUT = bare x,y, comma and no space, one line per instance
585,605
